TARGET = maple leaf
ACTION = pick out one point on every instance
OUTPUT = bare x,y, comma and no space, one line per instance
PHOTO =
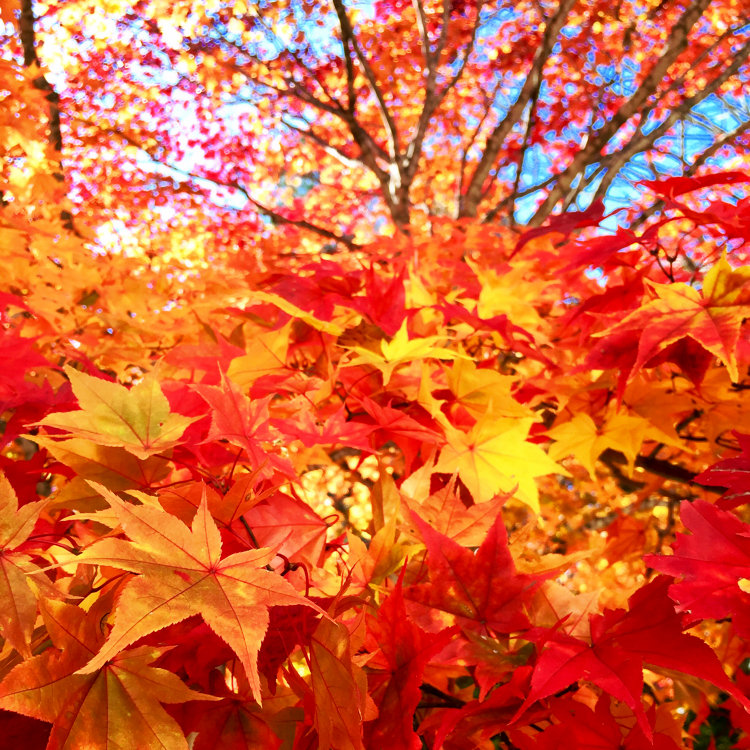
396,425
482,588
445,512
583,439
182,501
233,724
137,419
340,688
494,660
671,187
384,303
115,706
335,429
402,350
207,358
649,633
402,650
289,627
710,563
116,468
265,353
182,573
17,601
289,526
496,457
484,391
22,352
555,606
597,251
732,473
477,721
244,423
712,318
234,721
314,320
564,224
603,727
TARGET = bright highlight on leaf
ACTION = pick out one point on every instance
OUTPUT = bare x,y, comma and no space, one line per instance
402,350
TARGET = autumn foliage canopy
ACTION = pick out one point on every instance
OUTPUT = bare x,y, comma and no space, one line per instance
374,374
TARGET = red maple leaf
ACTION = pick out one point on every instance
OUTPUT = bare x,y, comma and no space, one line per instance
402,650
650,633
732,473
710,562
479,587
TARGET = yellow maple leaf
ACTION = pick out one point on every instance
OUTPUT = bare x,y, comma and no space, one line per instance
581,438
401,350
495,456
484,391
137,419
266,353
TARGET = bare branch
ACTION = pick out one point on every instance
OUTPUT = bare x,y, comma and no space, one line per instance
30,58
434,98
488,100
371,151
277,217
348,37
615,161
40,82
283,48
332,151
522,155
473,195
300,223
501,206
422,26
676,44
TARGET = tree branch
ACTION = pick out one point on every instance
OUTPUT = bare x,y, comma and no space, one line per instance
348,37
277,217
434,98
470,200
676,44
332,151
667,470
614,162
30,59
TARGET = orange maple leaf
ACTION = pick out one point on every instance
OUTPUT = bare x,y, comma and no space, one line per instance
713,318
17,601
340,688
182,573
118,705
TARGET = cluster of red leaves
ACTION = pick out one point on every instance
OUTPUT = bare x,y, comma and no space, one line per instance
286,525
